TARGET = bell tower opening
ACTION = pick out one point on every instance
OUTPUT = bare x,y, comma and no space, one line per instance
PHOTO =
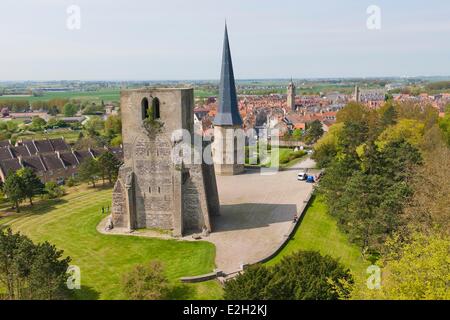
145,108
155,107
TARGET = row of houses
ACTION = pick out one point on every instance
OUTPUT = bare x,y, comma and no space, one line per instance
50,159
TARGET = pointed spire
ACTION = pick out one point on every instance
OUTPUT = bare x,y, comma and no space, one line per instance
228,112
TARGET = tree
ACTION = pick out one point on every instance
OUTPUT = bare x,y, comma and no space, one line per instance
37,124
428,208
444,125
353,112
32,185
314,132
53,111
53,190
117,141
410,130
14,189
48,277
94,125
70,109
89,171
327,148
109,166
297,134
413,269
304,275
388,115
250,285
146,282
29,271
113,124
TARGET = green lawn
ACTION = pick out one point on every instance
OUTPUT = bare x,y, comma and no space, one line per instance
97,96
318,231
70,224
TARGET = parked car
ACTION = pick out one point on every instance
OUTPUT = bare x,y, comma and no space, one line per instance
302,176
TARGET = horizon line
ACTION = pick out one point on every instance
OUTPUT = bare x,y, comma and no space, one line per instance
237,79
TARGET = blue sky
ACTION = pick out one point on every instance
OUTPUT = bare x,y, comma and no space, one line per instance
181,39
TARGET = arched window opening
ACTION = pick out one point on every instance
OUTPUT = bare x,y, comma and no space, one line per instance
145,108
155,107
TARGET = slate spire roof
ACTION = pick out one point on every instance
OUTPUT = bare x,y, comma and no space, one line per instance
228,112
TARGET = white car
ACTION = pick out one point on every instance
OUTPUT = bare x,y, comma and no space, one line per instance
302,176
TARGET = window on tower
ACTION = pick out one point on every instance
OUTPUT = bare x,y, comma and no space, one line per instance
145,108
155,107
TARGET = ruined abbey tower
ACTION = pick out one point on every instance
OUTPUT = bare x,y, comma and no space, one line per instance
153,191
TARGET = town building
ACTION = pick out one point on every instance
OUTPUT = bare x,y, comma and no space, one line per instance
51,159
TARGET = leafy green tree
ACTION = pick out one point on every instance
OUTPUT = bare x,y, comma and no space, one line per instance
48,277
53,111
353,112
250,285
297,134
37,124
314,132
89,171
444,125
109,166
70,109
327,148
29,271
32,185
304,275
94,125
53,190
413,269
113,124
117,141
388,115
14,190
54,123
307,275
410,130
428,209
146,282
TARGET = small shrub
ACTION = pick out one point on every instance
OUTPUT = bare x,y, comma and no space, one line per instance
53,191
71,182
146,282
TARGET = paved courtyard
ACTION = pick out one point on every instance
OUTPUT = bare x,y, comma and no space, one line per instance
256,214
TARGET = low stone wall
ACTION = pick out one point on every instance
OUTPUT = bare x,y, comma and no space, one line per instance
203,277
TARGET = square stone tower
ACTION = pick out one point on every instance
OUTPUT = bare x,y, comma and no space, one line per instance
152,191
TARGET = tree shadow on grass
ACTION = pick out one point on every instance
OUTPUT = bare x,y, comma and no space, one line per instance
39,208
181,291
85,293
43,206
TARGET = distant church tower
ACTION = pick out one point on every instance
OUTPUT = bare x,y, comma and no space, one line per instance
291,96
228,121
357,94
